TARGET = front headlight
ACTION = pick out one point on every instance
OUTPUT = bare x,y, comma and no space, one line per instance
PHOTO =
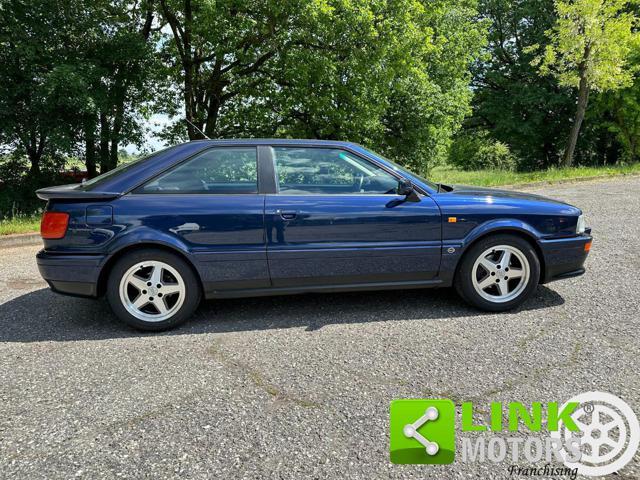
581,226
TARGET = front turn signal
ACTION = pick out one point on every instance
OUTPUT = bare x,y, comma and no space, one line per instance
54,225
587,246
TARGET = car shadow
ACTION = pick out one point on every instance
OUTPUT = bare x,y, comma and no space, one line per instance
42,315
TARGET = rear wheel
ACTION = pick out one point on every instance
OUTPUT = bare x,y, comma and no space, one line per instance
153,290
498,273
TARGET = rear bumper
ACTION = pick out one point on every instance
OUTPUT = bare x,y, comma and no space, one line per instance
564,258
75,275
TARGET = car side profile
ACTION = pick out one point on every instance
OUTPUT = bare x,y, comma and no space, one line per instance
240,218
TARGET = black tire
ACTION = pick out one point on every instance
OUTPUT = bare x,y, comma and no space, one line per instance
463,281
192,289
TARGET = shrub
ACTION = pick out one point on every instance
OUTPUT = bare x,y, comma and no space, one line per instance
477,151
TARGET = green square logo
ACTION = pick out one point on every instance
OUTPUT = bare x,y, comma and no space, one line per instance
422,431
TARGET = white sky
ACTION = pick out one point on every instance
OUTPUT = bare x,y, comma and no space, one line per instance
154,125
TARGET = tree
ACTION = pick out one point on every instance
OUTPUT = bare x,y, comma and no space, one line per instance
220,50
74,73
511,100
120,72
589,49
391,75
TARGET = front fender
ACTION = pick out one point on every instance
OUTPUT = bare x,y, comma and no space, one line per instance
454,249
503,224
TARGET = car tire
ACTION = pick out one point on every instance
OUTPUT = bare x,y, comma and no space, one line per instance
153,290
484,281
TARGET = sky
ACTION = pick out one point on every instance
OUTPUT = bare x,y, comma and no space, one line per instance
155,124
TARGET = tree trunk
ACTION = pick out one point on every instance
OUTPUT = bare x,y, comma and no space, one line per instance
104,143
583,99
115,132
34,160
90,147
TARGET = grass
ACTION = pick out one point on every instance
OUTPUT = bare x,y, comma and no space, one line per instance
486,178
20,224
492,178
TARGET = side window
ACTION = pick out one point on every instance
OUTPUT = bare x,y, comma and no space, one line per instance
303,171
215,171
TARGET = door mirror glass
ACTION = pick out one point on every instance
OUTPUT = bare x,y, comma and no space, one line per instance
405,187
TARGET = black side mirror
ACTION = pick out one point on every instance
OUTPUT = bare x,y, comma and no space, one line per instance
405,187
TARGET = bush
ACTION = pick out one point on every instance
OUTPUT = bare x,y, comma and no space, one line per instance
477,151
17,186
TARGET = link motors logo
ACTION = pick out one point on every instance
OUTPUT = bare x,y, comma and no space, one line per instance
593,434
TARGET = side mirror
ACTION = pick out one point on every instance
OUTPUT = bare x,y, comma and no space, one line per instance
405,187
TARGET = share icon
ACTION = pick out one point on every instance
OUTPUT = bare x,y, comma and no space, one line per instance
410,430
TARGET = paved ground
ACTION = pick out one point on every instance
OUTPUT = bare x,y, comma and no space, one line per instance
298,387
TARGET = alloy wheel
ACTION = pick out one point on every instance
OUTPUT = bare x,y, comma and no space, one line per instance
500,273
152,291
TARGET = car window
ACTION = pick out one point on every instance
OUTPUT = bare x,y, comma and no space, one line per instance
303,171
215,171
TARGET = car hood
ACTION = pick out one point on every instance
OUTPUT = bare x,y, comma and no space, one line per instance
507,194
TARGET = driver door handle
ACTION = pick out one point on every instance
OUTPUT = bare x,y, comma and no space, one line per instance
288,214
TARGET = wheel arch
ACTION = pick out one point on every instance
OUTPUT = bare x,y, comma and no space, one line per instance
127,249
522,233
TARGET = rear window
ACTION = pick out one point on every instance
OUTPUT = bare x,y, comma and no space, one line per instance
95,182
223,170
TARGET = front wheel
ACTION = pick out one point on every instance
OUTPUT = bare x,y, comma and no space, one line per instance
498,273
153,290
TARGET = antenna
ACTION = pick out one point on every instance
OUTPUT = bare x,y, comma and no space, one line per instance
201,132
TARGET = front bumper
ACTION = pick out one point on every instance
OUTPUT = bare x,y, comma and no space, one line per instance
71,274
564,257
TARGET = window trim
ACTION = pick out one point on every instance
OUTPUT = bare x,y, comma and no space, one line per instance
358,155
136,190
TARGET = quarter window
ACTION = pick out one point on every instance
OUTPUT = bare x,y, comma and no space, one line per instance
327,171
215,171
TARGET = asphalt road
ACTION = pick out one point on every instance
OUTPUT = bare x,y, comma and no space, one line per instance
299,387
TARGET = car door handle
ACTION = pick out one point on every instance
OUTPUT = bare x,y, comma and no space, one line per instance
288,214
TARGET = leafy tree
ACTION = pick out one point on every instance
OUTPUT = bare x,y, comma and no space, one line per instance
390,75
35,109
220,50
511,100
589,49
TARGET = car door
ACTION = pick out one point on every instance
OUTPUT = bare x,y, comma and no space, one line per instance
336,219
211,203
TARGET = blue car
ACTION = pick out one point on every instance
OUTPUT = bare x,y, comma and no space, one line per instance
240,218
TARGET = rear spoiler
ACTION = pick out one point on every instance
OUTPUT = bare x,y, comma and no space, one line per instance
71,192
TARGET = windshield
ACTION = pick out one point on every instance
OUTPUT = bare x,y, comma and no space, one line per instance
96,181
403,170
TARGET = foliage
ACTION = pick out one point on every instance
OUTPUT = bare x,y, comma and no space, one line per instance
591,38
391,75
478,151
589,48
519,107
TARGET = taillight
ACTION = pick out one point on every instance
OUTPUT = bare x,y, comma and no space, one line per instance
54,225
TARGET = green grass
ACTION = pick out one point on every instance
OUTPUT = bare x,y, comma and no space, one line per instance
20,224
491,178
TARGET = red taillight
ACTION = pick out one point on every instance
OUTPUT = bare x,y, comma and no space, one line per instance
54,225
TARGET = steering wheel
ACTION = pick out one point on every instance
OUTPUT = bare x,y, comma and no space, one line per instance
361,182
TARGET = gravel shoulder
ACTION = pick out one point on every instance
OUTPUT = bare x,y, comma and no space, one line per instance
292,387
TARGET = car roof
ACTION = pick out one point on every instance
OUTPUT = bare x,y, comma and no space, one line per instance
276,141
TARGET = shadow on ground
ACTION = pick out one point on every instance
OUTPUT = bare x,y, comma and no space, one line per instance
42,315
